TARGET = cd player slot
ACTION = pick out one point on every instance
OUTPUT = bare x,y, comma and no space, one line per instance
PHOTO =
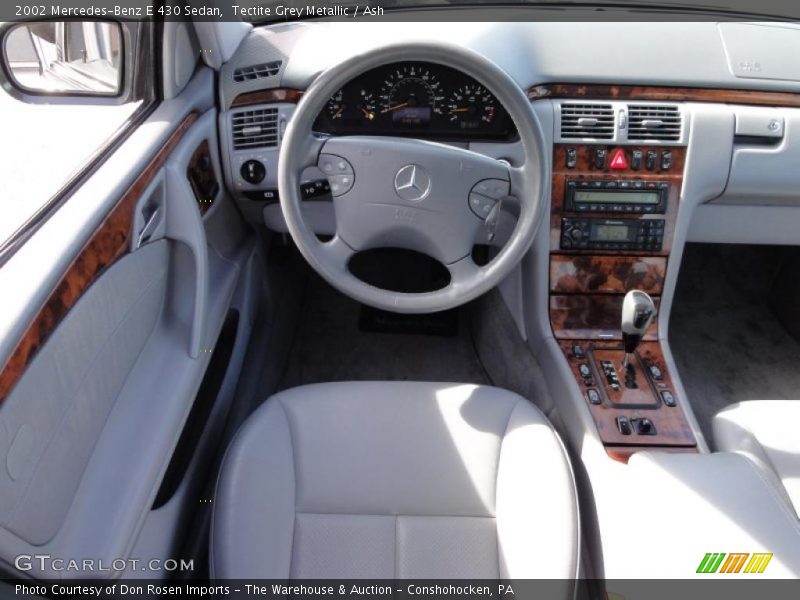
612,234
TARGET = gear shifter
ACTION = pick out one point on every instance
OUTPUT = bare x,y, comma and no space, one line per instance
638,311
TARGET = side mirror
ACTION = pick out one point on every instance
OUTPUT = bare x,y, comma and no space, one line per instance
65,57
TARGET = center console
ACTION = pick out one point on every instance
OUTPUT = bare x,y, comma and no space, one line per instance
612,220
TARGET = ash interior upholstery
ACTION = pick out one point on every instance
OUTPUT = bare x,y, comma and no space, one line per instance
765,430
395,480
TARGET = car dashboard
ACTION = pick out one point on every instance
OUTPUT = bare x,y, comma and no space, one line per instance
416,99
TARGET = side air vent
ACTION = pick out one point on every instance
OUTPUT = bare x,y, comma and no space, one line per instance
255,128
257,71
594,121
654,122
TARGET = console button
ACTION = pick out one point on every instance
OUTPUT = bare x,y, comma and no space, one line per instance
636,160
656,372
584,370
643,426
668,398
594,396
572,157
600,158
650,161
578,351
619,160
666,160
624,425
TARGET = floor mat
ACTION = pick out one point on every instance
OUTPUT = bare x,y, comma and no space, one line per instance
329,345
727,343
373,320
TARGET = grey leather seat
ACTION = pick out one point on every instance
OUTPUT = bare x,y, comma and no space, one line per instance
395,480
766,431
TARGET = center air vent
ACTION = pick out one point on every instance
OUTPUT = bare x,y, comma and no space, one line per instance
255,128
595,121
654,122
257,71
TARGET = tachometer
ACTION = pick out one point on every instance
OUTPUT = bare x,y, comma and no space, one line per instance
471,105
411,95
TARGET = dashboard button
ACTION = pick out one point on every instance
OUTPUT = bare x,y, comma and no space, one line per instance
600,158
636,160
650,161
618,160
253,171
572,157
666,160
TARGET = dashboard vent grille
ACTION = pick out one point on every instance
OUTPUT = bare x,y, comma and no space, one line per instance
654,122
587,121
255,128
257,71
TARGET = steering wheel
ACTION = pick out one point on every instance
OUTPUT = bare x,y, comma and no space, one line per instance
413,194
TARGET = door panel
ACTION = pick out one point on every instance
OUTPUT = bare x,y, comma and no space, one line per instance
95,393
55,414
108,243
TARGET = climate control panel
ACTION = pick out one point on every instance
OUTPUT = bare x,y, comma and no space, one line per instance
616,195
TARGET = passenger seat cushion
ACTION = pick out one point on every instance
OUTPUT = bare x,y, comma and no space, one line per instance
767,431
395,479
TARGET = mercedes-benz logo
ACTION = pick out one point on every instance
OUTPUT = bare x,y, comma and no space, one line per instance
412,183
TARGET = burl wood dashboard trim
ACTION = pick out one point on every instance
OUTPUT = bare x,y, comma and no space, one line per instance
272,96
584,169
673,430
586,285
202,178
596,274
667,94
109,242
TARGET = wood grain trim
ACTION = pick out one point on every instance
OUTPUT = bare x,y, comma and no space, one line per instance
592,274
202,178
273,96
670,94
591,317
674,431
109,242
623,453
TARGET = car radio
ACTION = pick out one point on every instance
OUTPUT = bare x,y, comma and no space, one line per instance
612,234
614,195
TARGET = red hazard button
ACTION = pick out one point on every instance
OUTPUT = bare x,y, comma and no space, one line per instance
619,160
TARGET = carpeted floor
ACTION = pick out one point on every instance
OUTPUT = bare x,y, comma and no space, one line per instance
729,345
328,345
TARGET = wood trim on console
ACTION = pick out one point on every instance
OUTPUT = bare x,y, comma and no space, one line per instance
109,242
671,424
598,274
656,93
272,96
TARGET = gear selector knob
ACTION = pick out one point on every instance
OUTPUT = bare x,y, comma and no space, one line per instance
638,311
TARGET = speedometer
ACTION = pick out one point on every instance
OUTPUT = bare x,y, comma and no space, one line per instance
411,95
471,105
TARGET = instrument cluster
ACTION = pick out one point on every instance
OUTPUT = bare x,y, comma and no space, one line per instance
416,99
